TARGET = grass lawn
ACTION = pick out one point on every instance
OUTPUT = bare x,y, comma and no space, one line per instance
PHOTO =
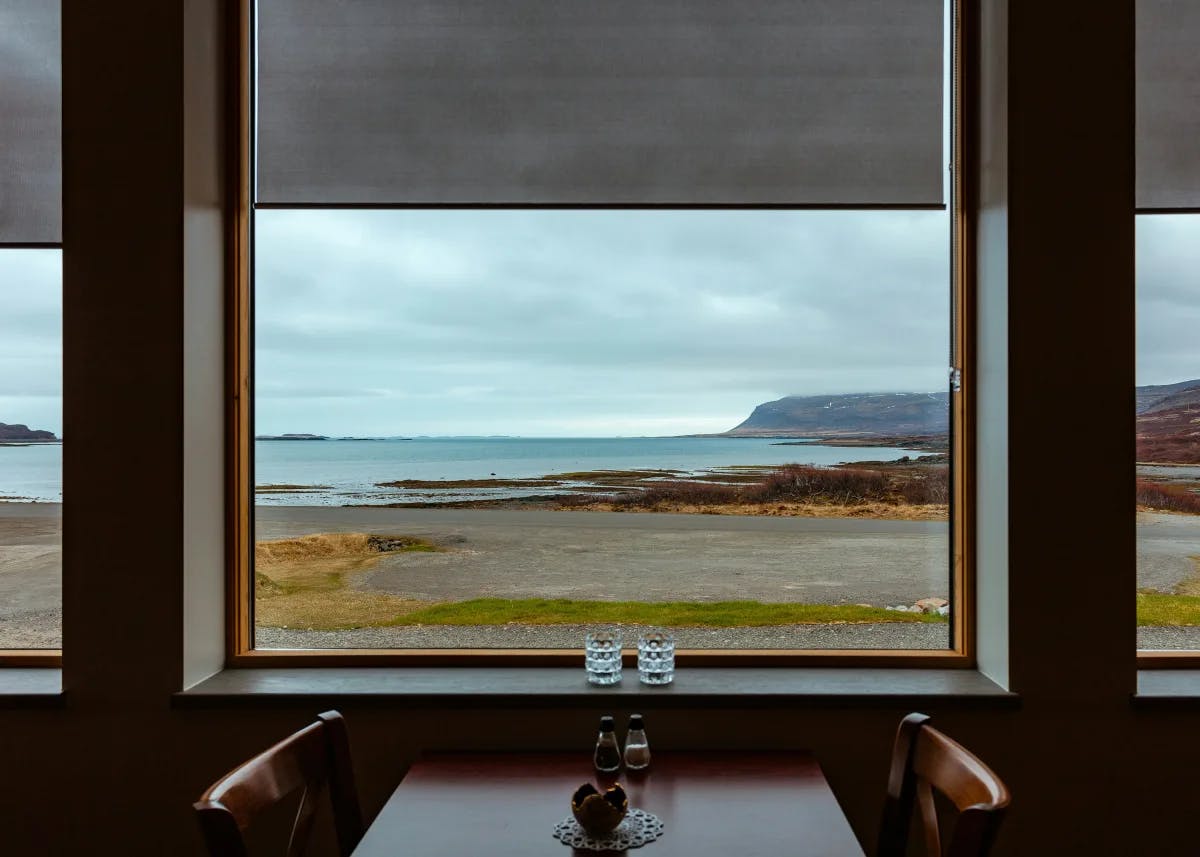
1155,609
1181,607
717,614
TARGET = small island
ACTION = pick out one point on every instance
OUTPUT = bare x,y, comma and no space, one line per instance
19,433
291,437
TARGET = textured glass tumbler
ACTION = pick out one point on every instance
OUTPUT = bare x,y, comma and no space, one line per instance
656,658
602,657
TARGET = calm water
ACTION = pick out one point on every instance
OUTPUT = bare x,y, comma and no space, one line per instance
31,473
351,469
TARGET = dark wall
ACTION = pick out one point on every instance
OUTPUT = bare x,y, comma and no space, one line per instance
116,768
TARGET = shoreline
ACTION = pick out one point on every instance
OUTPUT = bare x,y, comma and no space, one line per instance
903,489
569,504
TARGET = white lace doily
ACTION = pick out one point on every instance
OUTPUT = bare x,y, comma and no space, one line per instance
636,829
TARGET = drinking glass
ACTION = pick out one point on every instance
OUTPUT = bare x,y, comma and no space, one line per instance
602,657
656,658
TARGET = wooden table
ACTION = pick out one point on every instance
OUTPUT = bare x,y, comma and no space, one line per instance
743,804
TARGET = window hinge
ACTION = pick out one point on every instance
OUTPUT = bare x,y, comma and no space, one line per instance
955,379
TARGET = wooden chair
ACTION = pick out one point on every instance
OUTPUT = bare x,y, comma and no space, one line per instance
315,757
925,760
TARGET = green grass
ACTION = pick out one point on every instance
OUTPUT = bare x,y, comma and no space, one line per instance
1181,607
720,614
1155,609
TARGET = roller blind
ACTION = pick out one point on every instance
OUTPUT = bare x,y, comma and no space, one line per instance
1168,104
804,102
30,122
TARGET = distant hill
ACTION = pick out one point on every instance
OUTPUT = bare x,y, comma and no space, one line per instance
1168,423
18,431
291,437
1168,418
848,415
1155,396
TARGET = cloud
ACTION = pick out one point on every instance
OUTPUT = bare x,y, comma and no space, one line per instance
1168,298
31,338
587,322
592,322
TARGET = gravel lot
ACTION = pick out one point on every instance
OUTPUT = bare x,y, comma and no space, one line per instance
837,561
640,557
874,636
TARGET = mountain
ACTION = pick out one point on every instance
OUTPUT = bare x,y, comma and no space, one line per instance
1168,423
848,415
1155,396
18,431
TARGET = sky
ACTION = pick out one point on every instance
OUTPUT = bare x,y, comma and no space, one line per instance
578,323
587,323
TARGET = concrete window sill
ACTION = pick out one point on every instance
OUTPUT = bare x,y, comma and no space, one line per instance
30,688
1167,688
474,687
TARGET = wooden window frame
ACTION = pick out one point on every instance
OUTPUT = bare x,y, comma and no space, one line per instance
240,497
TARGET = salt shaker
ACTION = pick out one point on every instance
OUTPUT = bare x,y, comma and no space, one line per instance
637,748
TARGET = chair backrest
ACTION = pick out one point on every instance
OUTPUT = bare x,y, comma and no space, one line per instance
316,757
923,761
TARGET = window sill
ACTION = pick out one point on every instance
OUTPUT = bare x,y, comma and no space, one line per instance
491,687
30,688
1170,687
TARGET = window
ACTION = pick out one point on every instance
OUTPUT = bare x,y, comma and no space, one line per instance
570,316
1168,431
30,331
1168,316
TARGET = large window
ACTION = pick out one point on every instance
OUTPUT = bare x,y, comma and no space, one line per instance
583,315
30,327
1167,403
1168,431
30,449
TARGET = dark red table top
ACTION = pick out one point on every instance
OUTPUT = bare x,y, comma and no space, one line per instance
743,804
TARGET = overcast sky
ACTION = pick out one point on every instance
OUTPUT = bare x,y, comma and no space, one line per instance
559,323
587,323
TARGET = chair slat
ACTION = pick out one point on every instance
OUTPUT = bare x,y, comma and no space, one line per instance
929,818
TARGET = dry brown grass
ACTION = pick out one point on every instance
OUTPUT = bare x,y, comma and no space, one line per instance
332,611
304,582
320,545
887,511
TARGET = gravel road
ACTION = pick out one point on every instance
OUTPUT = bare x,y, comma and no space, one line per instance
644,557
30,580
526,553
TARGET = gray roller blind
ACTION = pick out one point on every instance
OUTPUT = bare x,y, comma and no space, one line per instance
1168,104
30,122
804,102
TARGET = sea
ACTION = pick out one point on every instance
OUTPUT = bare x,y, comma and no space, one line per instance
349,472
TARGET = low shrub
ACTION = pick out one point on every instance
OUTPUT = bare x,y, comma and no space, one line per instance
1171,498
693,493
801,484
797,483
1177,448
931,487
